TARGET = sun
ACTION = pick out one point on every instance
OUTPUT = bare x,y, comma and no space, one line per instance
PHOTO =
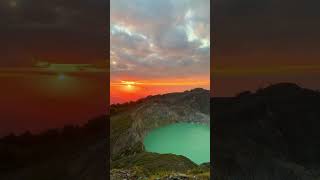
129,86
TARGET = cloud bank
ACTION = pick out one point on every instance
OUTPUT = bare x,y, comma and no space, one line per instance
160,39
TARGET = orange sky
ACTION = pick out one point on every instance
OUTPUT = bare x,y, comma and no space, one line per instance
123,91
36,98
52,63
158,51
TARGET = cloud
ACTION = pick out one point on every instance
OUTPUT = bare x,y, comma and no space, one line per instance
53,13
71,31
155,39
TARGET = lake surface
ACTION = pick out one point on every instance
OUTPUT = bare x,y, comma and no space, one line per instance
187,139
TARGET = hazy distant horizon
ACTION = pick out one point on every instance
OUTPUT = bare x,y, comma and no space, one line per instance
154,94
230,87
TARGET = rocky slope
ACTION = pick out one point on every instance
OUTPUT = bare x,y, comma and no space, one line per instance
131,122
71,153
269,134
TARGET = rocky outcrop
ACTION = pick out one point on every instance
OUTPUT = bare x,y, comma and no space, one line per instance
158,167
121,174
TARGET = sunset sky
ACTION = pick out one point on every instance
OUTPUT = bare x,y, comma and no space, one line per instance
158,47
52,63
262,42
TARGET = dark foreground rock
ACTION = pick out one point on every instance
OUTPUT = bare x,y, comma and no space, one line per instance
271,134
71,153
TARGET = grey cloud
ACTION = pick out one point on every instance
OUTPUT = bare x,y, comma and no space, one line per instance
133,41
144,11
174,38
37,13
72,31
166,46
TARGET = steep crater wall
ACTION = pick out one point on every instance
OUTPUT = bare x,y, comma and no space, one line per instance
191,107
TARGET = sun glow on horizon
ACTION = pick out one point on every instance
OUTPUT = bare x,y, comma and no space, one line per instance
127,86
161,83
128,90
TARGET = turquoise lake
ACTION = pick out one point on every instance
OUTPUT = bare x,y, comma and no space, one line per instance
187,139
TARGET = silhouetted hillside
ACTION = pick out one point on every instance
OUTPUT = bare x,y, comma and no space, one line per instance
272,133
72,152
